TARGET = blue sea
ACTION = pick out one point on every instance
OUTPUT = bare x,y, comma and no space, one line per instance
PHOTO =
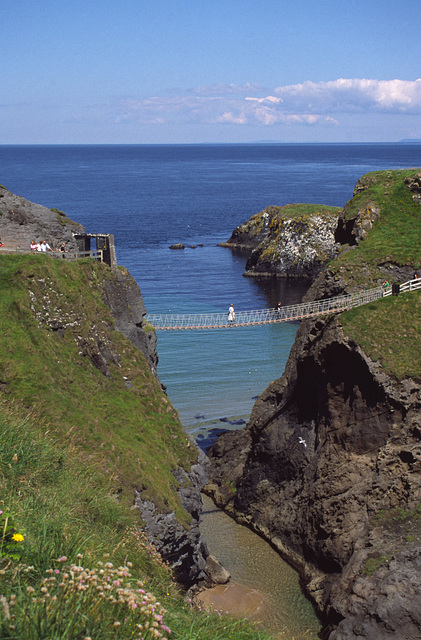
151,196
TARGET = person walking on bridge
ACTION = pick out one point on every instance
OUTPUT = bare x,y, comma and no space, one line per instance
231,314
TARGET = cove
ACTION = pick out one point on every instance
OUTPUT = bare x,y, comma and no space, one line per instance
263,586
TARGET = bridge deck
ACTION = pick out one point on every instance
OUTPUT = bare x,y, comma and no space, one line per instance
291,313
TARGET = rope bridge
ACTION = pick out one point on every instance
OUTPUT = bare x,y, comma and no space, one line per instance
177,322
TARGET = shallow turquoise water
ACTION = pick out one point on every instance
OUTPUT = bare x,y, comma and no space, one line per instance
253,563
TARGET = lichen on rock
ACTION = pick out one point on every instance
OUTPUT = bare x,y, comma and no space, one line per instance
291,241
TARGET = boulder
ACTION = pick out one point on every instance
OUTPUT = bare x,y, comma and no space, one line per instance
215,572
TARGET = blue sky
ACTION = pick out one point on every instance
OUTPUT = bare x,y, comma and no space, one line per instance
189,71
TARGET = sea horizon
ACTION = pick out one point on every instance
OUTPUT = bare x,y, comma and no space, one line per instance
209,143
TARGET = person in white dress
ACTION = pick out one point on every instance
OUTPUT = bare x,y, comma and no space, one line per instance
231,314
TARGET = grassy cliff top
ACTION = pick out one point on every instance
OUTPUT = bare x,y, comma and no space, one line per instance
389,330
279,214
301,209
386,207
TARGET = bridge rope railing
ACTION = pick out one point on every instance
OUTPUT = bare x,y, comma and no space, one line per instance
301,311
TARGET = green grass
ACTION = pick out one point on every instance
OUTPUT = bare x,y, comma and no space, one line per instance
74,442
134,432
395,236
73,527
389,331
372,564
299,210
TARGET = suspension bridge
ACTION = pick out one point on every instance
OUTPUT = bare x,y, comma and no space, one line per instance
301,311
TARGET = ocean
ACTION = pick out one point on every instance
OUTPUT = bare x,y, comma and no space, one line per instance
152,196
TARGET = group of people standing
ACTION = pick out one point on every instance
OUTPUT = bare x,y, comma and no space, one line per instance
43,247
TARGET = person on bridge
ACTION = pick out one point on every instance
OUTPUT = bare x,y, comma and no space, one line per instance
231,314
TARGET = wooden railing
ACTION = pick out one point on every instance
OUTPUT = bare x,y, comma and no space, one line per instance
96,254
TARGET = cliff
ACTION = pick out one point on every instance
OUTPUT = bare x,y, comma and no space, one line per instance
291,241
84,328
100,486
328,467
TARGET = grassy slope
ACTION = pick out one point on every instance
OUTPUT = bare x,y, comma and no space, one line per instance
389,330
134,432
73,443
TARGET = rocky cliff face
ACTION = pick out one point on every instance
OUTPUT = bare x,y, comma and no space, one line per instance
329,470
124,298
291,241
329,446
184,549
22,221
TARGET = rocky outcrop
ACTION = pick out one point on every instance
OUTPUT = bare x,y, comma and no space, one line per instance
357,218
124,298
328,468
414,185
182,548
293,241
22,221
328,447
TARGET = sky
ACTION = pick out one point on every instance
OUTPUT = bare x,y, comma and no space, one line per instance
209,71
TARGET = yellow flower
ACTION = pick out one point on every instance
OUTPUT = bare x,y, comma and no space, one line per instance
17,537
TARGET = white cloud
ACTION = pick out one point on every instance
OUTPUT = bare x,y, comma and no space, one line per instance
351,95
266,99
229,118
308,103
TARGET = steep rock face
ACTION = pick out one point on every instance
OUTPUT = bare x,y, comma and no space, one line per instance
123,297
291,241
183,549
331,444
22,221
355,224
